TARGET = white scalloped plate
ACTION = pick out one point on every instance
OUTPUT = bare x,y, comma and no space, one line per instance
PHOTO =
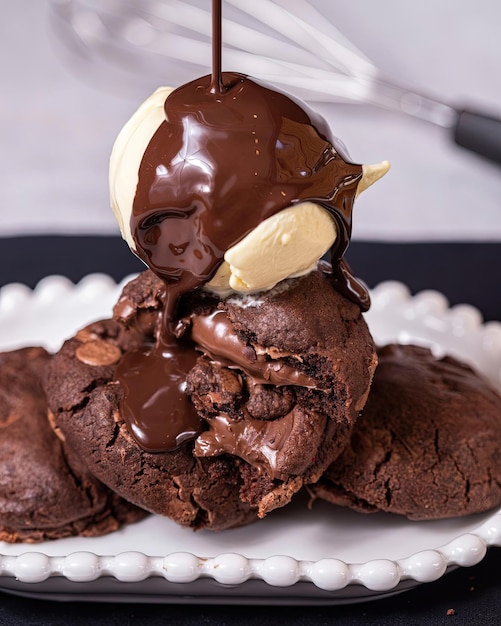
326,555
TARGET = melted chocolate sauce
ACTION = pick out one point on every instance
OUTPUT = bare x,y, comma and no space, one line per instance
215,336
219,165
157,409
259,442
230,153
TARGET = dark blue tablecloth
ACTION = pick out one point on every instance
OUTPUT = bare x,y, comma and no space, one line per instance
464,272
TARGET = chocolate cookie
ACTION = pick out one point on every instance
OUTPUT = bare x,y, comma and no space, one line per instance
278,386
428,444
45,493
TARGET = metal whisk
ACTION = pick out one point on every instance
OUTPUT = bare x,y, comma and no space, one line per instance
286,42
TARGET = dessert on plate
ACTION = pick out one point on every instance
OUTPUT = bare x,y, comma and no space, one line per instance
234,369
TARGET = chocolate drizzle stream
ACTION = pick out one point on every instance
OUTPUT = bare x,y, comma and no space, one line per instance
217,86
230,153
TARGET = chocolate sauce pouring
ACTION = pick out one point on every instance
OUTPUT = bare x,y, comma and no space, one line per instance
230,153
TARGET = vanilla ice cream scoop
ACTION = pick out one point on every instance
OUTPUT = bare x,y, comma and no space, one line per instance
127,154
286,244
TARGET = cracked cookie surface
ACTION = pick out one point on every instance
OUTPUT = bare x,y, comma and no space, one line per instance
261,442
194,492
428,444
45,491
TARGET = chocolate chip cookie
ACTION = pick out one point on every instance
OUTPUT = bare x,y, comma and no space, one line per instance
428,444
45,491
278,385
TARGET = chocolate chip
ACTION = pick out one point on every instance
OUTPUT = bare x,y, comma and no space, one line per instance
98,353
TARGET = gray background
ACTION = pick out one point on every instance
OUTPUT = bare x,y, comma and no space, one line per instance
59,118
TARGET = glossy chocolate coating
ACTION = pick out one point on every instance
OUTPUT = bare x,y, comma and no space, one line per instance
215,336
156,409
219,165
229,154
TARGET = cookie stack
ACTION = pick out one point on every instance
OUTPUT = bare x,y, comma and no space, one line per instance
271,424
424,442
236,371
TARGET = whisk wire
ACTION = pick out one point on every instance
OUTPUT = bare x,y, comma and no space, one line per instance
236,35
291,44
308,37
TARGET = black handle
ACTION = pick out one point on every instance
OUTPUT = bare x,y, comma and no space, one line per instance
479,133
